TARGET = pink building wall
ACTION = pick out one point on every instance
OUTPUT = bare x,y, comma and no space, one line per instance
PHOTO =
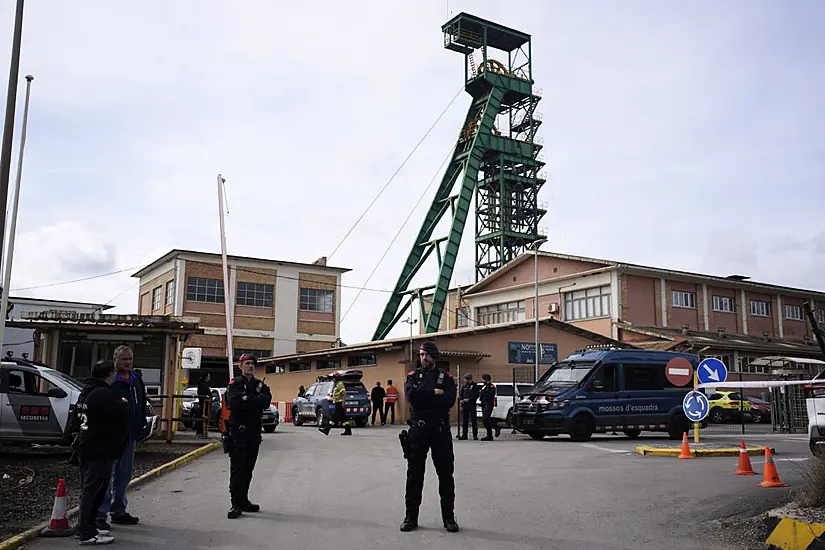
757,324
682,315
549,268
731,322
639,300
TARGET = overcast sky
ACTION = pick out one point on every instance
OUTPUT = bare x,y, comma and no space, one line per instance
681,136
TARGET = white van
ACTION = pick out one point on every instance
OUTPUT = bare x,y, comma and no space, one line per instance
502,412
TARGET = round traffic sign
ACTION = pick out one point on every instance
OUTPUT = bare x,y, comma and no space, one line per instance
696,406
679,371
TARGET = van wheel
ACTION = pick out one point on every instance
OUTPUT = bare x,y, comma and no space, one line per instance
361,422
582,429
296,418
535,435
510,418
632,434
679,425
816,450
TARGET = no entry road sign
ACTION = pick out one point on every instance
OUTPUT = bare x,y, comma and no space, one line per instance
679,371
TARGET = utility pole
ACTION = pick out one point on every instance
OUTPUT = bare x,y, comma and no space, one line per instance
411,322
8,125
535,246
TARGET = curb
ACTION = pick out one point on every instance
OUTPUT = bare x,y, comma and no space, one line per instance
26,536
726,451
792,534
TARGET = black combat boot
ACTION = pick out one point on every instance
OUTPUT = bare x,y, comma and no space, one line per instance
249,507
235,512
410,522
347,430
325,428
450,523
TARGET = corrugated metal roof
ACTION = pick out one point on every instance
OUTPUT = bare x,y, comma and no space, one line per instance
111,323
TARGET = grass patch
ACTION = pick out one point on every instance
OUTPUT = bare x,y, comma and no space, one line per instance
812,492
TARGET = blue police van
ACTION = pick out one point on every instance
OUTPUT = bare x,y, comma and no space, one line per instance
616,390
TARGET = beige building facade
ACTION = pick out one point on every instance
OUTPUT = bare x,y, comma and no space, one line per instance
278,307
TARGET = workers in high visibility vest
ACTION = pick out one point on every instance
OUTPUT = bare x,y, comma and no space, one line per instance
390,400
339,395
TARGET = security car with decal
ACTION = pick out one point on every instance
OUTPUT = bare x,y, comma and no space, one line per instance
36,403
316,404
619,390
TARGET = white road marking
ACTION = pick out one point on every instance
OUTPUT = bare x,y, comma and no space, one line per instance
606,449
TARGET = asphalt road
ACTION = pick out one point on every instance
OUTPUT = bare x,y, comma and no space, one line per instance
347,493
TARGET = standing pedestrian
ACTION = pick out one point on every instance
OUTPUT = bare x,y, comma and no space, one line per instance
487,396
468,397
246,399
431,393
129,386
339,395
391,399
205,398
301,391
377,397
103,426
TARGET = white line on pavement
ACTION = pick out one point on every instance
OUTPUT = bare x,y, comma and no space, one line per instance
606,449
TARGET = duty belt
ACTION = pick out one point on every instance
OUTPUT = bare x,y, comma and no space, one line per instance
423,423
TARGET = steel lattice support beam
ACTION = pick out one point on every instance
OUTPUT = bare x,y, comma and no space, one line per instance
499,168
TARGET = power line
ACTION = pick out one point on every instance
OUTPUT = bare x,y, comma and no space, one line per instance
400,229
361,217
76,280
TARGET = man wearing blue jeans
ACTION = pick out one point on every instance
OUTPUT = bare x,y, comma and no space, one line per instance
131,389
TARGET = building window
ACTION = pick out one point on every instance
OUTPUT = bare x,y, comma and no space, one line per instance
507,312
157,293
760,309
587,304
363,360
683,299
299,367
821,316
745,365
328,364
316,299
201,289
255,294
793,312
723,304
170,293
256,353
462,317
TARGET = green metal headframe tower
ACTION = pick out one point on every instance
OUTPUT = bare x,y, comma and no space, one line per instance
495,157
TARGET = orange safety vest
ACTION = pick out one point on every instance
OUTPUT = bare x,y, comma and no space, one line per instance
392,395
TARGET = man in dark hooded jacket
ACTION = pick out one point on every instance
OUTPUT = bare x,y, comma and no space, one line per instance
102,424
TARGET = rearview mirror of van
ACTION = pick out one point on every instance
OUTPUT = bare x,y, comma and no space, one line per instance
597,385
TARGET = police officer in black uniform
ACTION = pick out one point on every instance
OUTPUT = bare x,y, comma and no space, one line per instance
431,393
487,396
468,395
246,399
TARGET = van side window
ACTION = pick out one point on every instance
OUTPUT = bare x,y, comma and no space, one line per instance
645,377
607,375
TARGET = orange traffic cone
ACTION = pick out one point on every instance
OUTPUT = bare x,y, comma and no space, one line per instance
686,452
745,468
771,478
59,524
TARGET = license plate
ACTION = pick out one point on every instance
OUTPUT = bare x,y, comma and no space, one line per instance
528,421
352,403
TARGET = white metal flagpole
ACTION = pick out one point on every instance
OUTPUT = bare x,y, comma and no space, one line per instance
4,303
230,351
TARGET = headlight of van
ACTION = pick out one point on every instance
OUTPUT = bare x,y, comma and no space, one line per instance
558,404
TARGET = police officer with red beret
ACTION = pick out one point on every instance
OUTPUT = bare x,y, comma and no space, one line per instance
431,393
246,399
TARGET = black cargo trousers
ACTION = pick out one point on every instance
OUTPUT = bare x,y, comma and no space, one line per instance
435,436
242,459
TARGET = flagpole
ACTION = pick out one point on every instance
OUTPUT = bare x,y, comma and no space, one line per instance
230,350
4,302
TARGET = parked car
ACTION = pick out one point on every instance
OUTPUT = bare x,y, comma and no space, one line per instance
194,418
37,402
605,390
186,406
503,410
316,404
728,405
815,407
760,410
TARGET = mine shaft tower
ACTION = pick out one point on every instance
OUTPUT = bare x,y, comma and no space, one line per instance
496,156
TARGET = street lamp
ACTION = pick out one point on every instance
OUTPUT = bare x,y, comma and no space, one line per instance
535,245
411,322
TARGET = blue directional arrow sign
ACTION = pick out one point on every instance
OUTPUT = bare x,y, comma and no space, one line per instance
696,406
712,370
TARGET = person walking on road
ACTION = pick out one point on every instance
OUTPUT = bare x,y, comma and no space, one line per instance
246,399
377,397
487,396
102,427
339,395
205,398
468,396
129,386
431,393
390,401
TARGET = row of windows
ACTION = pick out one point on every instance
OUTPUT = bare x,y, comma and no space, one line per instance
726,304
202,289
587,304
157,295
502,313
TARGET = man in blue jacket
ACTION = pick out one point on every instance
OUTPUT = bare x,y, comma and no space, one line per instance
130,387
